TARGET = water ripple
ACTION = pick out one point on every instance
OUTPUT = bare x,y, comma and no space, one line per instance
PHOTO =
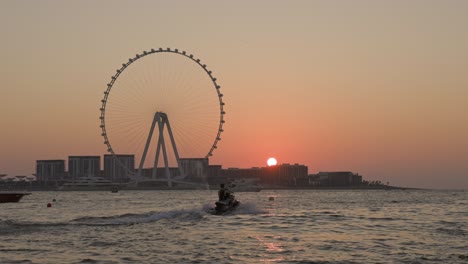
300,226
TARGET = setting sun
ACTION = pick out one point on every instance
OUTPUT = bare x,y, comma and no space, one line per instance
271,162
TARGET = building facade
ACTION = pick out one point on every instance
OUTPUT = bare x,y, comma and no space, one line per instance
278,175
336,179
292,174
215,174
236,173
50,170
82,166
195,169
117,167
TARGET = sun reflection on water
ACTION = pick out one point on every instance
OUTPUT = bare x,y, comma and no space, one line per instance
271,247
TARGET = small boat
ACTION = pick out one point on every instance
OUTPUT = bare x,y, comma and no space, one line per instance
225,206
12,197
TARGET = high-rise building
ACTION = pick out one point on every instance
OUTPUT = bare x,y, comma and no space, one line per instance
117,167
215,174
293,174
285,175
195,169
81,166
240,173
50,170
338,179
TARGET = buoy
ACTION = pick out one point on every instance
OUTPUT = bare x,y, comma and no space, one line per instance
53,200
49,205
271,198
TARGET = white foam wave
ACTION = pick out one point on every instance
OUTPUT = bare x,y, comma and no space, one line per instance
130,219
250,208
244,208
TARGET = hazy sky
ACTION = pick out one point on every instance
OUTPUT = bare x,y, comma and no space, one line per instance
374,87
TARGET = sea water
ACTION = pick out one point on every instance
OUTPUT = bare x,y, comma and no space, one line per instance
271,226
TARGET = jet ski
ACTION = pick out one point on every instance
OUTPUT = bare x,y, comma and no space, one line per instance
226,205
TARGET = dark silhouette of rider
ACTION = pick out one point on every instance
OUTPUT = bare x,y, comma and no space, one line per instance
221,192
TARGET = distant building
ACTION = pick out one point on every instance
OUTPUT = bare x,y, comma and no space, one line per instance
81,166
215,174
279,175
117,167
337,179
160,172
357,179
285,175
195,169
50,170
236,173
293,174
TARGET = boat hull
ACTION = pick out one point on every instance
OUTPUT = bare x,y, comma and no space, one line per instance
11,197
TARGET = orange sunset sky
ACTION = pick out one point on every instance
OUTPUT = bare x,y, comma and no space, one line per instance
375,87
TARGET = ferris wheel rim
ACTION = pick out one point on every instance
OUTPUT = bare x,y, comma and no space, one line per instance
145,53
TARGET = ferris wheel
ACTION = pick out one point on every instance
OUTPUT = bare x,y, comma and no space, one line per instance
162,101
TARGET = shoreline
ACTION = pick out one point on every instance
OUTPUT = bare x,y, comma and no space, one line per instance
266,188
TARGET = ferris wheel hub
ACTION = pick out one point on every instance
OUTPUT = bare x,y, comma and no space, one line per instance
160,114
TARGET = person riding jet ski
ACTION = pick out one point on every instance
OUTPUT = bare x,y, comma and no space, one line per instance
226,201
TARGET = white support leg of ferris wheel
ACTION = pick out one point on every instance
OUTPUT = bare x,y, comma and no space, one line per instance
161,119
176,153
148,141
166,163
156,157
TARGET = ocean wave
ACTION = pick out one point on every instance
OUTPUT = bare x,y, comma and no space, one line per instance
456,231
383,219
131,219
22,261
20,250
244,208
124,219
7,226
249,208
92,261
